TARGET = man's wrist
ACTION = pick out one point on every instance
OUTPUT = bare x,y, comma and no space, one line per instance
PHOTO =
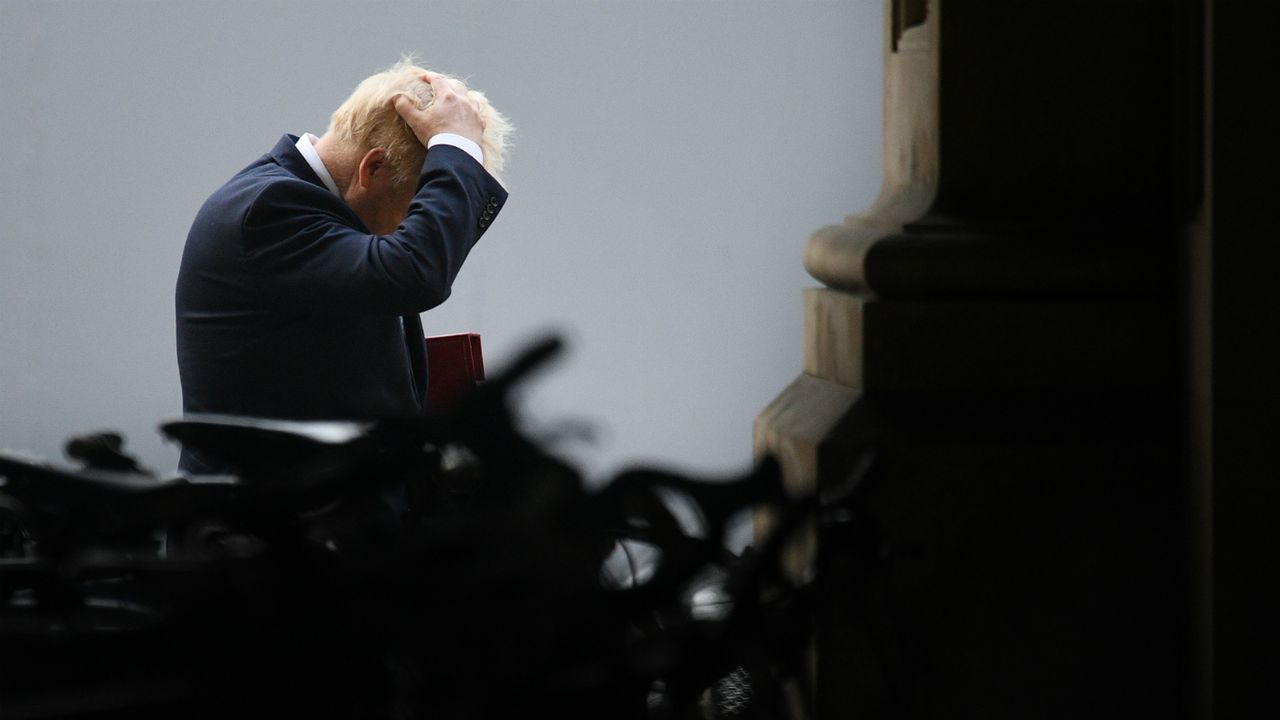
465,144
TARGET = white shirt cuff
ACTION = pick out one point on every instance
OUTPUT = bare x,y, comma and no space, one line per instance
464,144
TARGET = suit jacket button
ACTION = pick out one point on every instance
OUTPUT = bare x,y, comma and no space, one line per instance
484,222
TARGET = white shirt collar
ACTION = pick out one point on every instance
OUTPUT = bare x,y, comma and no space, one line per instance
309,154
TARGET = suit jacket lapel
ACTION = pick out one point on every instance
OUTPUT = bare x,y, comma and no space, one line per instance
416,342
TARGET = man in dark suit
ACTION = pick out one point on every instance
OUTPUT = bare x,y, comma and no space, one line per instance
303,276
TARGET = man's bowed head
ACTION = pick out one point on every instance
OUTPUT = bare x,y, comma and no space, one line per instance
375,159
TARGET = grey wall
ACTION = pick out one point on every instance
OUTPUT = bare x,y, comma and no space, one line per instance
670,160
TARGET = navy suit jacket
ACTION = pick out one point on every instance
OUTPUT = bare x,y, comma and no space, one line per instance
288,307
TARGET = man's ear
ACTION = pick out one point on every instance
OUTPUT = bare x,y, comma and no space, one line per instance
373,168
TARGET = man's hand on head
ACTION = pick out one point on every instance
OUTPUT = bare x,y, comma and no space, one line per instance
450,111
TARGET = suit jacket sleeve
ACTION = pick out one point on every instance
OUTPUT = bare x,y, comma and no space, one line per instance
306,246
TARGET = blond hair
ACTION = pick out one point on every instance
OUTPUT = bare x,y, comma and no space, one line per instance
369,120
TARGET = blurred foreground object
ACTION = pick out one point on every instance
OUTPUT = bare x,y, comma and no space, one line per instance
448,567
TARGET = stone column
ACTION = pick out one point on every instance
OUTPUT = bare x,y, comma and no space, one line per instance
992,360
793,425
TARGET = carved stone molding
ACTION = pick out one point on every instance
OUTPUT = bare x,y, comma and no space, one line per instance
836,254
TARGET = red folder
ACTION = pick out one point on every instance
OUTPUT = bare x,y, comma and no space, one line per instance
454,364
